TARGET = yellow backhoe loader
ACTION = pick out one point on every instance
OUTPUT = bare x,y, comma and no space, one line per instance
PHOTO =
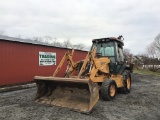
101,73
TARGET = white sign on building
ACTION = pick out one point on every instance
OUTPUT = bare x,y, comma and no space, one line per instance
47,58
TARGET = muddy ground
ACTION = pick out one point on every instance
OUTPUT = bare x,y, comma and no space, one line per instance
143,103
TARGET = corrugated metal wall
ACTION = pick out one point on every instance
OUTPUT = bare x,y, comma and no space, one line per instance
19,62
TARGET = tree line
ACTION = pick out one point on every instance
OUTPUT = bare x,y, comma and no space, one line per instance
65,44
150,59
54,41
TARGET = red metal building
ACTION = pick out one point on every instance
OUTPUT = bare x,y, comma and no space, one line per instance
19,60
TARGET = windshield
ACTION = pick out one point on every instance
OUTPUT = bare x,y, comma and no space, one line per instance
105,49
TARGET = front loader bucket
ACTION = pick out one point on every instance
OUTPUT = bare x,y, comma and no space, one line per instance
77,94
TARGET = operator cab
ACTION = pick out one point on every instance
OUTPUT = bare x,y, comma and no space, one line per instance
112,48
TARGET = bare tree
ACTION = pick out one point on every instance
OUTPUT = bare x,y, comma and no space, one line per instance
48,39
151,50
52,40
157,43
67,44
37,39
2,33
19,36
56,43
153,61
79,46
127,53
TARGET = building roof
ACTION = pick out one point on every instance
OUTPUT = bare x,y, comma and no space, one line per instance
6,38
29,41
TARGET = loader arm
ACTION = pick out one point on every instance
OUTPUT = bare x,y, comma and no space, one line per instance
89,58
71,64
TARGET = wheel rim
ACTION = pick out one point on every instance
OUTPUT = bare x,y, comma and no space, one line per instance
128,83
112,90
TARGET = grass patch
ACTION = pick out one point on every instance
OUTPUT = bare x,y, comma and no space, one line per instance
146,72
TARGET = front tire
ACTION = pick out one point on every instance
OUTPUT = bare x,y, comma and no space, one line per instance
108,90
126,82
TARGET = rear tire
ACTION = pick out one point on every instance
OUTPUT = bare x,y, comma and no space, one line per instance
108,90
126,82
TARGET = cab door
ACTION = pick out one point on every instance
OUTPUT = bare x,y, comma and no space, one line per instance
119,57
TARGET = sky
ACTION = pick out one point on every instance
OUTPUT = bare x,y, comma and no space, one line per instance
83,20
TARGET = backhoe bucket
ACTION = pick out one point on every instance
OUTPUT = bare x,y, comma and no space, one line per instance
77,94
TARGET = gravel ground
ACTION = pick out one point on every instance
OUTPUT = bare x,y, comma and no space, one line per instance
142,103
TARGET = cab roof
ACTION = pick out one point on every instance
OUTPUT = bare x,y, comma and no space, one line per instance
108,39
